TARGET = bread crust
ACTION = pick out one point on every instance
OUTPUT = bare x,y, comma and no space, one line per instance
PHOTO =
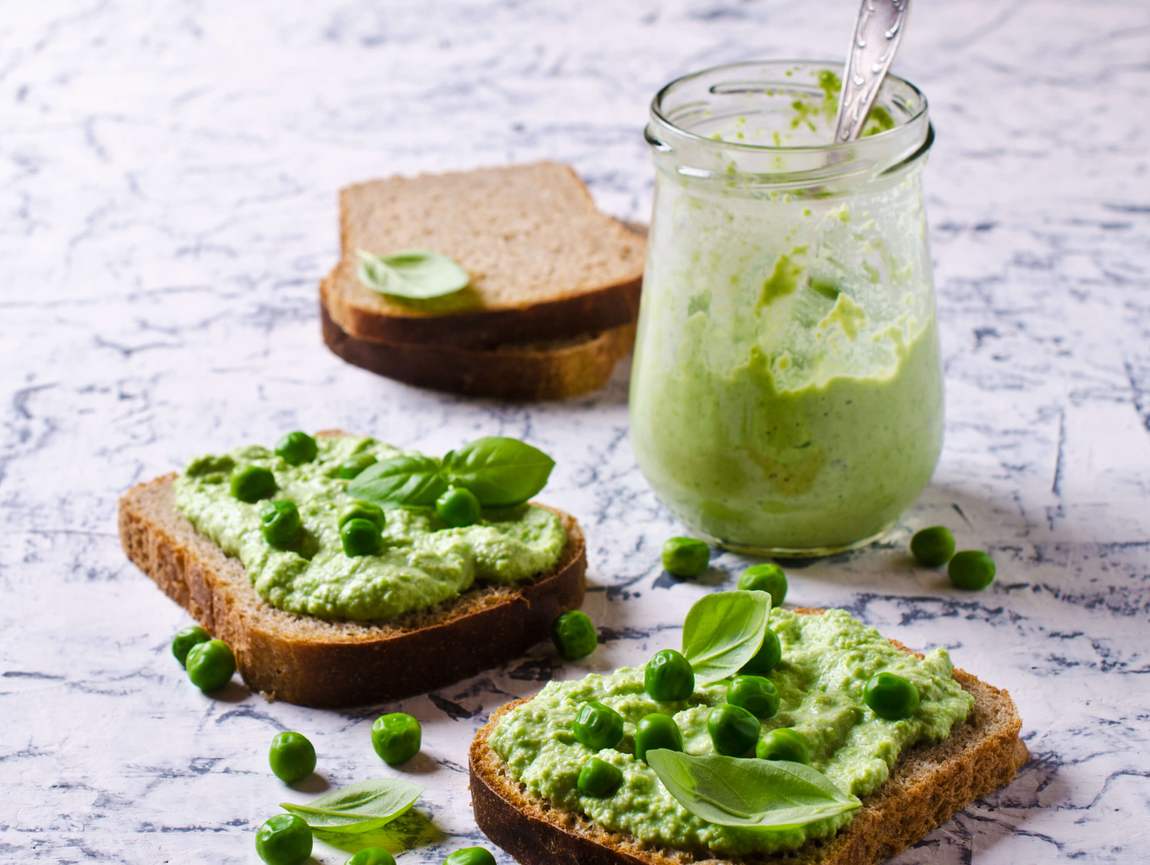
314,662
546,371
929,785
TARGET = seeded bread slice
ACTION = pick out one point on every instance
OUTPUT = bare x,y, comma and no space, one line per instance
928,786
545,262
554,370
315,662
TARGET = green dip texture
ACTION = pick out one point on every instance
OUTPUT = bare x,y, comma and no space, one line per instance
827,660
421,563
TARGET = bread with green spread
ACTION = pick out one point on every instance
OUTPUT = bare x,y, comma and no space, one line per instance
943,770
340,636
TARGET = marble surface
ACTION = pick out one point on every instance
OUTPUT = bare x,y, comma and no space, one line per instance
169,176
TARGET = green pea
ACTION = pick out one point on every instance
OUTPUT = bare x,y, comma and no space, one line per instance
359,510
599,779
668,677
354,464
297,448
360,537
458,507
211,665
657,731
285,839
971,570
471,856
891,697
768,656
765,577
372,856
185,638
291,756
598,726
932,547
686,557
252,483
574,635
784,743
280,524
756,694
396,737
733,730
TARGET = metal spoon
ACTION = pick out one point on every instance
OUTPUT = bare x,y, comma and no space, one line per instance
877,34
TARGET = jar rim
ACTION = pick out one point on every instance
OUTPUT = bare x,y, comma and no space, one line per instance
882,152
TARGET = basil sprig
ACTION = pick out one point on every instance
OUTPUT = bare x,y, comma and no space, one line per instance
499,471
357,808
417,274
723,631
768,795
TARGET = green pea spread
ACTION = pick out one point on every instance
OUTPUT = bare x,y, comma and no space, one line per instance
421,563
827,660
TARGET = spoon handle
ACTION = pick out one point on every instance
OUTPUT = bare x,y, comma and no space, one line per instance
877,34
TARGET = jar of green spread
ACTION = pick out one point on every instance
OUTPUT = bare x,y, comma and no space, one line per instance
786,396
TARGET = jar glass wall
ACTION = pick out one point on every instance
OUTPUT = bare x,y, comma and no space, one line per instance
786,393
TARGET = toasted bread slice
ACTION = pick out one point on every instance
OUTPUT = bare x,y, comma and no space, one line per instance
315,662
545,263
559,369
928,786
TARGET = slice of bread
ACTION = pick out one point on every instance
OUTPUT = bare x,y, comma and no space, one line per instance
558,369
545,262
928,786
315,662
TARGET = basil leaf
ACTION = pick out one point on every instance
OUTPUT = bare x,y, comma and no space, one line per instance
769,795
412,273
413,480
723,631
357,808
499,471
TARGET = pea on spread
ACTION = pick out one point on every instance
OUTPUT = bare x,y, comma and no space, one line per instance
842,700
309,547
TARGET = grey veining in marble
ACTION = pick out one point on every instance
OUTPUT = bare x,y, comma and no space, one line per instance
168,176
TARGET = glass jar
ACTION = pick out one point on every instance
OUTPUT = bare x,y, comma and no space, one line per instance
786,393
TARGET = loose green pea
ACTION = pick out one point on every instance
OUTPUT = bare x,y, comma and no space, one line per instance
458,507
297,448
686,557
354,464
733,730
933,546
765,577
280,524
599,779
372,856
891,697
598,726
291,756
756,694
784,743
360,537
574,635
359,510
396,737
768,656
668,677
185,638
211,665
252,483
971,570
655,731
285,839
470,856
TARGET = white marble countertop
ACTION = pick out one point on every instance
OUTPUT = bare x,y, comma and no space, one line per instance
169,176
